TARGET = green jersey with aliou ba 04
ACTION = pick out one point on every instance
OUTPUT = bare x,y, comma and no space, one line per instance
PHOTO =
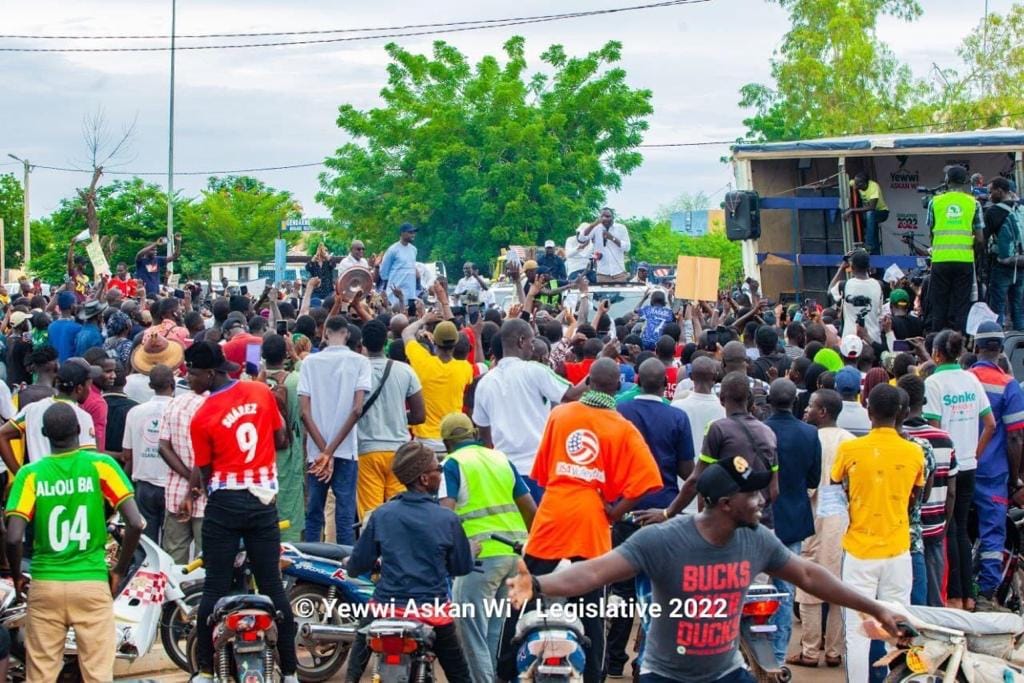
63,497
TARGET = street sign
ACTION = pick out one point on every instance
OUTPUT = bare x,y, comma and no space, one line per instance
296,225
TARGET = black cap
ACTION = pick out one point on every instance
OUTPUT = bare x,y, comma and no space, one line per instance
956,174
729,476
208,356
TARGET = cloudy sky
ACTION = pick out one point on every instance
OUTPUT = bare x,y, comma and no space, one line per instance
277,106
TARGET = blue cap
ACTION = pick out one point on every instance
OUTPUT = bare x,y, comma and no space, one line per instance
407,227
316,302
989,335
848,381
643,266
65,300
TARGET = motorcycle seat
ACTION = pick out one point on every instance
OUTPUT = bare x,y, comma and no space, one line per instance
1016,514
976,623
536,620
328,551
233,603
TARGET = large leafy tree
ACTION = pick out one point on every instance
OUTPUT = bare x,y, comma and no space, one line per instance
481,156
987,88
12,207
237,218
833,76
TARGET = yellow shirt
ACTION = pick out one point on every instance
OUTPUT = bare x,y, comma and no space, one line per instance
873,191
880,469
443,387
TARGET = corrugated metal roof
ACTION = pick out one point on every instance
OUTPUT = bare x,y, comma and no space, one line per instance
1000,137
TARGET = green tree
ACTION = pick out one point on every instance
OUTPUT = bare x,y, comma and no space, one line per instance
655,242
12,212
483,156
833,76
236,219
131,213
987,89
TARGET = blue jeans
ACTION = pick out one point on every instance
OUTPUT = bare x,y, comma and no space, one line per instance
919,589
479,632
1006,297
343,484
783,619
872,230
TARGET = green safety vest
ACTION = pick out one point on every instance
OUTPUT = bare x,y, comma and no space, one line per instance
953,232
490,509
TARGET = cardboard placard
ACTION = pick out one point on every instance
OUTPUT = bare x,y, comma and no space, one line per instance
97,257
173,279
697,278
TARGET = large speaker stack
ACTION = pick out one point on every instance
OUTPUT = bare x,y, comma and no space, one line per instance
821,232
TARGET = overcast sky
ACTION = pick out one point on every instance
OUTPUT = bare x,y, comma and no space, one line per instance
277,106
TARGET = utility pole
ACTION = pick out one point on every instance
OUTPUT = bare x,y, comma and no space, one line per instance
170,145
27,227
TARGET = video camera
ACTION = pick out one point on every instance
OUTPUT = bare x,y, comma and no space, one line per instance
930,192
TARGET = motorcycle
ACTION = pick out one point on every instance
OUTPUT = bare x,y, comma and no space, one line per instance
244,629
950,645
319,589
757,642
550,647
155,598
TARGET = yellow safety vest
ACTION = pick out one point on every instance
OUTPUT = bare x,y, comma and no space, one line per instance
490,507
953,231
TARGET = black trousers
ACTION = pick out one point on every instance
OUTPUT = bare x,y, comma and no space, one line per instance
958,542
593,628
446,648
233,516
949,295
619,628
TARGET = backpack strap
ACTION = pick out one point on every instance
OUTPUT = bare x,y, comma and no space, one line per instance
376,392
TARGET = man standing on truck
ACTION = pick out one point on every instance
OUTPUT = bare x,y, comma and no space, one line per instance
873,208
611,244
956,224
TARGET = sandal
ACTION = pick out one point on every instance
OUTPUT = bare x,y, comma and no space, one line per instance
800,660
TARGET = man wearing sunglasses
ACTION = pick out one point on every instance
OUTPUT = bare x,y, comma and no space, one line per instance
356,257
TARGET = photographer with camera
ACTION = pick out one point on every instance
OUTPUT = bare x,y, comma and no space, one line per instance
861,296
957,226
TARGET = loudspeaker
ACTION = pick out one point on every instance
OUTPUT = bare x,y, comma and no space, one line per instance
742,215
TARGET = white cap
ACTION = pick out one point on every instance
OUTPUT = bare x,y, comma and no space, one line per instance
851,346
549,243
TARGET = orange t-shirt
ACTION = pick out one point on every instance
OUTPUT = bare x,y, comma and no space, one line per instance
587,457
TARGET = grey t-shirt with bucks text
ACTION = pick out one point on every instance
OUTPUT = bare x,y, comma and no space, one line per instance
384,427
700,589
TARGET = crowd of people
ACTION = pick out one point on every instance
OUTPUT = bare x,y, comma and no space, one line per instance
673,453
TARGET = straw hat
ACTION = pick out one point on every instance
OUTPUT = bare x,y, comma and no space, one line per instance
156,349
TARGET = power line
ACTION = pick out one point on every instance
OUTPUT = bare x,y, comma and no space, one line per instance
342,30
66,169
454,28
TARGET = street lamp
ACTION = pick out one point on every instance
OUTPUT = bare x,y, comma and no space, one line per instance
27,247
